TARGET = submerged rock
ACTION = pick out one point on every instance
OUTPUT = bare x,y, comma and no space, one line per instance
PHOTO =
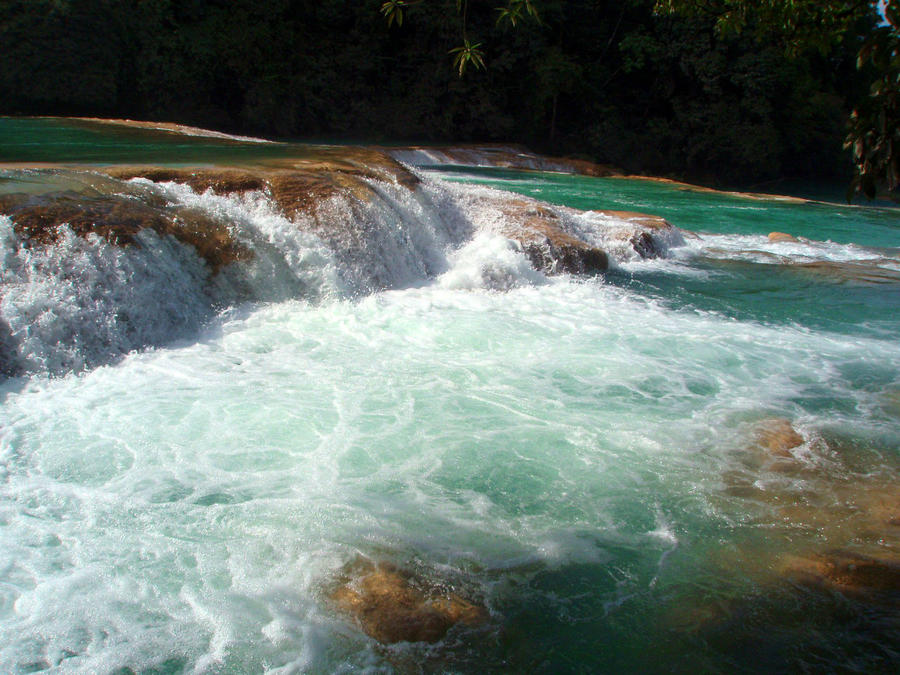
847,572
782,236
778,436
392,605
864,272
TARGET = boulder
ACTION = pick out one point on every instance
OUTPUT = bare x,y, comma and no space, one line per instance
646,233
393,605
539,231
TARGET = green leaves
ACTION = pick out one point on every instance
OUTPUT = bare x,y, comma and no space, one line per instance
467,54
800,25
874,130
393,10
817,25
514,11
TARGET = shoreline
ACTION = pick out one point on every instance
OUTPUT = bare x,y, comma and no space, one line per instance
512,156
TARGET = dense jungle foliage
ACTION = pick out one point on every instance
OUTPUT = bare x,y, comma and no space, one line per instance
604,79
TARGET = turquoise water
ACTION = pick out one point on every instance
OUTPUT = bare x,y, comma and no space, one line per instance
57,140
580,456
743,276
697,210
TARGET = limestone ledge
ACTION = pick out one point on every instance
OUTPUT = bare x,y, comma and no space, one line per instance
498,157
299,186
119,219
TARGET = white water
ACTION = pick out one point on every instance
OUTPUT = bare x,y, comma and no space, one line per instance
195,500
438,404
82,302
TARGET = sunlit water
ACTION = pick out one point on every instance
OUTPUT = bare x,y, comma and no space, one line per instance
578,455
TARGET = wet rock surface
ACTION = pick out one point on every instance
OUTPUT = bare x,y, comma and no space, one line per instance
778,436
820,557
548,246
118,219
865,272
392,605
644,232
296,185
305,188
848,572
555,244
782,237
500,157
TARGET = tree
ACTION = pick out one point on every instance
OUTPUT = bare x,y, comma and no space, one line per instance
803,25
874,136
799,26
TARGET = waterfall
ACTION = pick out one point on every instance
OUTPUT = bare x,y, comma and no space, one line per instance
95,267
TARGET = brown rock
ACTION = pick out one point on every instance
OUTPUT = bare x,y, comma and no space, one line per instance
778,436
782,236
549,248
391,605
118,219
847,572
641,237
297,185
864,272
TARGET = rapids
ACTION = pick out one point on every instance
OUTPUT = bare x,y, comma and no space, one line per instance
647,470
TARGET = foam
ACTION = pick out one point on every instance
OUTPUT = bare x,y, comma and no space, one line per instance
561,447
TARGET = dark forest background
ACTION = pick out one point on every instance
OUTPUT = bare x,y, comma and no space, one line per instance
601,79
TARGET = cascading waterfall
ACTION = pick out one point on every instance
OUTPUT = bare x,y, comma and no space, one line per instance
391,431
81,301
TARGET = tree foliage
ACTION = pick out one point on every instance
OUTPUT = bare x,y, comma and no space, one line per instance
606,79
466,54
799,25
805,25
874,136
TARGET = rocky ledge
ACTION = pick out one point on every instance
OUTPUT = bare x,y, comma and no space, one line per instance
118,219
498,157
302,188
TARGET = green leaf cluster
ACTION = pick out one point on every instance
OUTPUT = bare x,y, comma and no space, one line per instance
874,135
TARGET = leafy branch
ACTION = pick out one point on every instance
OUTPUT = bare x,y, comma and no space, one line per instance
469,53
393,10
874,136
514,11
803,25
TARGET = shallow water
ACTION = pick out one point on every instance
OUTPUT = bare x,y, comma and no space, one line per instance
578,455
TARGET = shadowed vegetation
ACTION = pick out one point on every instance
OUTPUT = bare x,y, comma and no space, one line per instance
610,81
